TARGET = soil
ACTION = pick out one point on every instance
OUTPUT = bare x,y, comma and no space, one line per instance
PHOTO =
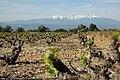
30,64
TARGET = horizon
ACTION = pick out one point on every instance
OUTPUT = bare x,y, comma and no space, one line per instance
62,17
15,10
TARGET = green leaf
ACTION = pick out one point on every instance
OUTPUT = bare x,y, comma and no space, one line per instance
50,56
84,60
116,35
51,71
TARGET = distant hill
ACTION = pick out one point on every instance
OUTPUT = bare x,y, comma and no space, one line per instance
66,22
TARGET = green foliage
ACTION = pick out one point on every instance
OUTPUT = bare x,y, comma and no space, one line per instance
75,30
51,71
49,57
60,30
93,27
34,30
1,28
84,60
116,35
89,42
20,29
7,29
82,27
42,28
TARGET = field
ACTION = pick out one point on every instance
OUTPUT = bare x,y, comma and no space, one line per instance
30,63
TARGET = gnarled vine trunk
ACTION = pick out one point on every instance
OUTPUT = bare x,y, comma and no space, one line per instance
15,53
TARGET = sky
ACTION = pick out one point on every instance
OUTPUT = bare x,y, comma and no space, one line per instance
12,10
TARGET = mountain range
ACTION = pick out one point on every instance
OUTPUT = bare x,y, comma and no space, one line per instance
66,22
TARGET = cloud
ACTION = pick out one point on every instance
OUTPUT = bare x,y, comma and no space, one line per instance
107,1
26,9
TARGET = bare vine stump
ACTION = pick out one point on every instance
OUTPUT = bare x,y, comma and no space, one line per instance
15,53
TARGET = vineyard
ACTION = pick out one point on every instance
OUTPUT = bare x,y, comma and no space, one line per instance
60,55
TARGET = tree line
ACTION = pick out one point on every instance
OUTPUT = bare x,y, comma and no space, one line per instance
43,28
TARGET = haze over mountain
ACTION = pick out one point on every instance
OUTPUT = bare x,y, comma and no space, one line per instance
66,22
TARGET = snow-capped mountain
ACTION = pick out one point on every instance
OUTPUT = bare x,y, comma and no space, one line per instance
66,22
72,17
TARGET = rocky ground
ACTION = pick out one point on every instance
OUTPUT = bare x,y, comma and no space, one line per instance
30,64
